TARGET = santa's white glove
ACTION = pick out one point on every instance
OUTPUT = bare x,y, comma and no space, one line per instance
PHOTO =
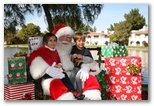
54,72
84,73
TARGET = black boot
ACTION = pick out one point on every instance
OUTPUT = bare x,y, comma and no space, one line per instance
80,97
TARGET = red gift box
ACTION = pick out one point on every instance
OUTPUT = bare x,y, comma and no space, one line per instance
121,84
23,91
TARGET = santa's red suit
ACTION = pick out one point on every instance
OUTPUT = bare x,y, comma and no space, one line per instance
53,86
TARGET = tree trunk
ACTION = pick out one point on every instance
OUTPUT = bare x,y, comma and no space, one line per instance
48,15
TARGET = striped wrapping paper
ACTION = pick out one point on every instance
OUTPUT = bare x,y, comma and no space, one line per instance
25,91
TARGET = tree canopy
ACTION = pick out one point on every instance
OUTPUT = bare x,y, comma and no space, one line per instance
122,32
77,16
14,14
28,30
133,21
74,15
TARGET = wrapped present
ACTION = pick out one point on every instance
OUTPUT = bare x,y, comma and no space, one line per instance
17,71
123,78
101,79
34,43
113,51
21,54
24,91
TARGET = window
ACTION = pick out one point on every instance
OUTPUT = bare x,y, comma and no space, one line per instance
96,36
137,35
105,36
87,42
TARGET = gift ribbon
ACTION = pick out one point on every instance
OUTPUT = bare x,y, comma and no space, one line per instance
133,69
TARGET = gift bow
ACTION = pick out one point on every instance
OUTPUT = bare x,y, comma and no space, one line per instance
133,69
26,96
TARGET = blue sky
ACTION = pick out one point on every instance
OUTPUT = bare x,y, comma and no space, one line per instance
110,14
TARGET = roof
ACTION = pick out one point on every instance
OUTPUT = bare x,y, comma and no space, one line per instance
144,30
139,32
98,33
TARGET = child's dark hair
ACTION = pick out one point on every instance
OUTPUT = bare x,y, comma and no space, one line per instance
47,36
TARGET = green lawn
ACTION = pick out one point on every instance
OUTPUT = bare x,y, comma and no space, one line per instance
136,47
92,46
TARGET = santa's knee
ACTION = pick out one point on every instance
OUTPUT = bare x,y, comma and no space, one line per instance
58,91
92,83
92,89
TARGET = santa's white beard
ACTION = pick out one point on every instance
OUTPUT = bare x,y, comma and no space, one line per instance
64,53
64,48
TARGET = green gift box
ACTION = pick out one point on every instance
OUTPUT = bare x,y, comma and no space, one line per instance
101,79
113,51
17,72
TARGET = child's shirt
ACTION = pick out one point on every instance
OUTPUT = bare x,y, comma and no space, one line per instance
49,55
87,57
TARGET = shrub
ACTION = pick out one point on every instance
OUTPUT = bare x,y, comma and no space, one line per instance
145,43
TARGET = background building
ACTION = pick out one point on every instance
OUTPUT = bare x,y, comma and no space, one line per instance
98,38
137,38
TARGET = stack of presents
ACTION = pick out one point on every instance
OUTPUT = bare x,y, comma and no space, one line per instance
20,84
121,78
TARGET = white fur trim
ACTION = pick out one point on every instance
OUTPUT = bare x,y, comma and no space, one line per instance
65,31
38,67
92,95
93,66
46,86
67,96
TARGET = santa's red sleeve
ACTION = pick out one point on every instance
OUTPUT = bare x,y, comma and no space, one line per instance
33,55
37,65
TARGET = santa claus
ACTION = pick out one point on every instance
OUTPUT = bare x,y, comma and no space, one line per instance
54,87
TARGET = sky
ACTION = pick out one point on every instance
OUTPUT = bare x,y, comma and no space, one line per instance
110,14
116,15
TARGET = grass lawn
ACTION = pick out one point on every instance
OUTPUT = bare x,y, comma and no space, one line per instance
136,47
92,46
141,47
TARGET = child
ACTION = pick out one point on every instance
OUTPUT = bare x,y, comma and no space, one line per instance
50,55
79,55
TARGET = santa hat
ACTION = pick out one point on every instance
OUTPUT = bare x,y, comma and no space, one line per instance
62,29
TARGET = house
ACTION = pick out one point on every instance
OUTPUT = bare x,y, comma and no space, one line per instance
98,38
138,37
